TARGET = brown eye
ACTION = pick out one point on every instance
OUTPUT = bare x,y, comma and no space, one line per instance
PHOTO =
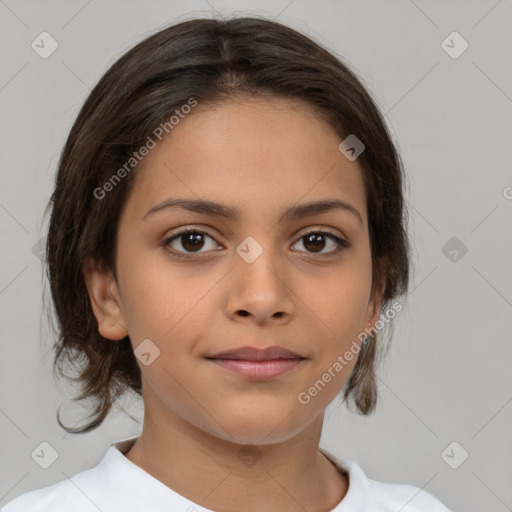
188,241
317,241
314,242
192,241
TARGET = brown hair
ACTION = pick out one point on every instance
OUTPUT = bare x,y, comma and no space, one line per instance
208,60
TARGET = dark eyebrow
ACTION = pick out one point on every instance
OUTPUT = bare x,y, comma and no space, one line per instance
232,212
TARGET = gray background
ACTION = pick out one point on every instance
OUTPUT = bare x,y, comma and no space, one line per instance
447,377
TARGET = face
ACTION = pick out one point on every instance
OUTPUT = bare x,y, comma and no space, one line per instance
251,274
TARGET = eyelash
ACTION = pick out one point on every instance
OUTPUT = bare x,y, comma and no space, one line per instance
340,242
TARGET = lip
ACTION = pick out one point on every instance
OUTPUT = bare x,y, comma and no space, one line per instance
257,354
258,364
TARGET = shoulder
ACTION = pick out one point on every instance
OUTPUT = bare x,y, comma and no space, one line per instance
71,493
407,498
114,485
389,497
369,495
86,491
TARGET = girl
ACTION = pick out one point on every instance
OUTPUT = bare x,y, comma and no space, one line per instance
226,236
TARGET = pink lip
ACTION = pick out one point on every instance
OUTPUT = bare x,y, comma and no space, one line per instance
257,354
264,369
255,363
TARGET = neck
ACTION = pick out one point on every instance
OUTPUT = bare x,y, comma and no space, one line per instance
223,475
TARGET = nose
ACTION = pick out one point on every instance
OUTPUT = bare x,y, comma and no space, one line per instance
260,291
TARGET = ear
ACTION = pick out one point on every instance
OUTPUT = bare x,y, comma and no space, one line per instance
375,302
373,310
105,301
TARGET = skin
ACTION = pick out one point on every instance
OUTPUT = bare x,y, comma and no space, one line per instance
262,156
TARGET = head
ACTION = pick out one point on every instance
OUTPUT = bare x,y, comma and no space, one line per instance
248,114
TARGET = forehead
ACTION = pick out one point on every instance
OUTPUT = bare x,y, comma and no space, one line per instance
254,154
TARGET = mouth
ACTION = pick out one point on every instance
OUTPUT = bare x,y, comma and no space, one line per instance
257,364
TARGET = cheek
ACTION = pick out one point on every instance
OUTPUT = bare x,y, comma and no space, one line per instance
342,305
345,293
167,307
346,304
152,295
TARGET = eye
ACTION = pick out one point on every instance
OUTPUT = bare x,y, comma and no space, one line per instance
191,240
316,241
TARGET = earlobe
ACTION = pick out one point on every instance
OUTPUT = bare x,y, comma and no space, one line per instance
105,301
372,315
377,293
373,311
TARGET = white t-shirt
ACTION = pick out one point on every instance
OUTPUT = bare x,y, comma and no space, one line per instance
118,485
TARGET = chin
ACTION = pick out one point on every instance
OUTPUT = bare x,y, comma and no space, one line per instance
261,428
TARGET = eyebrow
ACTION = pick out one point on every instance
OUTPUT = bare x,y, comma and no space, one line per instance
231,212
